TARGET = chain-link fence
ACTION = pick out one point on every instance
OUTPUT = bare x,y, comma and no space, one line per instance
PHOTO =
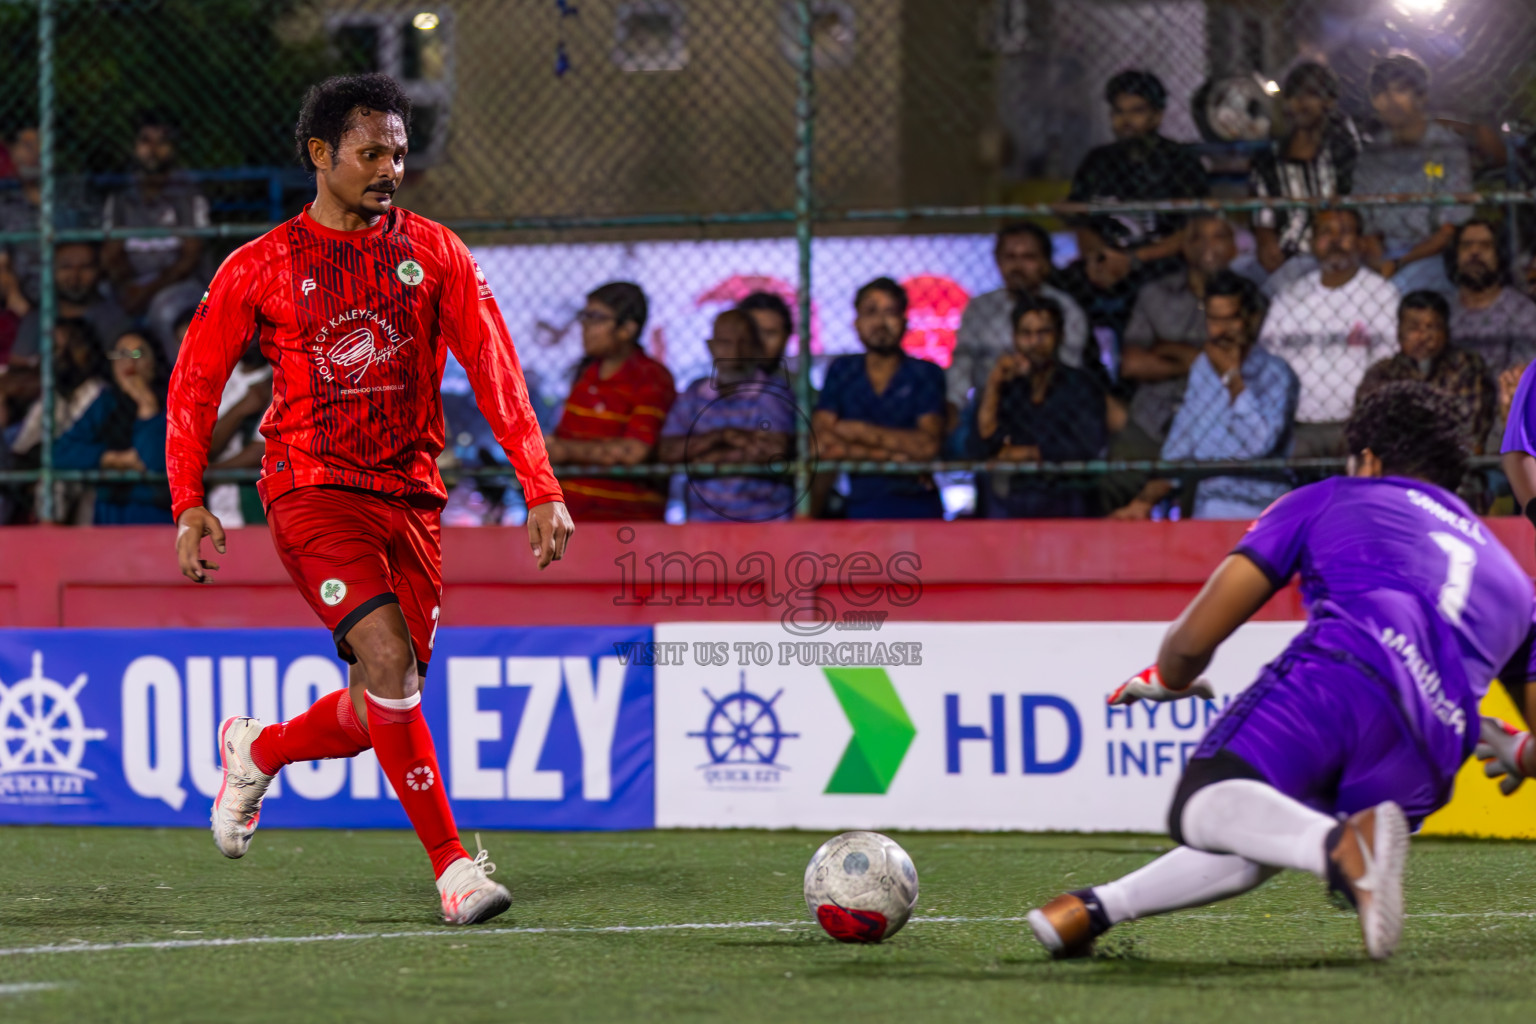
782,154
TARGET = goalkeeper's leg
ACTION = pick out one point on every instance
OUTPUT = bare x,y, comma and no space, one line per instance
1178,880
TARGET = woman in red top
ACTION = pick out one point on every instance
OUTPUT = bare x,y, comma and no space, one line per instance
615,410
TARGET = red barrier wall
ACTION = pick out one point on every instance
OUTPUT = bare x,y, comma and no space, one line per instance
982,570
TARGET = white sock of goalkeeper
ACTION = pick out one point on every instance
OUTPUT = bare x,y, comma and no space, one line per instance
1257,822
1178,880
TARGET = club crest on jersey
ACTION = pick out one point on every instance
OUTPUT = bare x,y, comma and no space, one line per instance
410,272
333,592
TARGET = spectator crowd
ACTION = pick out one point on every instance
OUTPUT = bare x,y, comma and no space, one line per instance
121,310
1161,341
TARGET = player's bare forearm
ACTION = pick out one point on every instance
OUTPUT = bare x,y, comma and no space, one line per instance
1520,467
1236,590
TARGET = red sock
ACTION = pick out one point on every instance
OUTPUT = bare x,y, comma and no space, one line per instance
328,729
404,745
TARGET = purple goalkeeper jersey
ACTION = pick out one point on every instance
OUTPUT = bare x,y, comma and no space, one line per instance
1520,431
1403,582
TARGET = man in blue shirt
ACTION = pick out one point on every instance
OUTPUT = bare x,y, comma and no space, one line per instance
740,413
1240,404
884,405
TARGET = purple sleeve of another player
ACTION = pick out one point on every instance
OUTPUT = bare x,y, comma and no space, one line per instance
1275,540
1520,433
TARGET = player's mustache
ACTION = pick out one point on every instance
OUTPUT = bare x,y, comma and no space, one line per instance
381,186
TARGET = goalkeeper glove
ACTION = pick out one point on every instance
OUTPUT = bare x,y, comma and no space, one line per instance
1503,749
1148,685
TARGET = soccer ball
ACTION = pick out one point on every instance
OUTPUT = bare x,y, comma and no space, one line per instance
861,887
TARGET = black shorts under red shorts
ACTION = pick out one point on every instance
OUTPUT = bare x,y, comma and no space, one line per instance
351,552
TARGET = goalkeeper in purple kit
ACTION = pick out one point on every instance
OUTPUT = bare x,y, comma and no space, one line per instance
1350,738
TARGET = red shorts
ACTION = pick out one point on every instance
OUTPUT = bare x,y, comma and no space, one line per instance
351,552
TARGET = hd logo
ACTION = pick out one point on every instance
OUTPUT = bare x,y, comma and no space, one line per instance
42,740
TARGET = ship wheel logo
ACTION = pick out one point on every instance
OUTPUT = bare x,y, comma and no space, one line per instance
743,728
41,727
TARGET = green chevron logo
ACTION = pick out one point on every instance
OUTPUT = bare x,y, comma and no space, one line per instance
882,731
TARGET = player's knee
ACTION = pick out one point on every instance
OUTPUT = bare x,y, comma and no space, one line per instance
389,664
1203,772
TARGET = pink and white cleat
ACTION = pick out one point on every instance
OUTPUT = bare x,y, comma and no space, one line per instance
238,805
469,895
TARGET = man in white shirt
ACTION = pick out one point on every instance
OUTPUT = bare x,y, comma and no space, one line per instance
1023,255
1331,325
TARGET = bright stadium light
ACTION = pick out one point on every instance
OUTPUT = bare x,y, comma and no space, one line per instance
1420,6
426,21
1272,87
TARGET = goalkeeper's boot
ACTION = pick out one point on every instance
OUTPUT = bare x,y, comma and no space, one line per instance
469,895
1367,853
238,805
1069,924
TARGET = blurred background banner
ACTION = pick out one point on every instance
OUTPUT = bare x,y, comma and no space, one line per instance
536,728
794,147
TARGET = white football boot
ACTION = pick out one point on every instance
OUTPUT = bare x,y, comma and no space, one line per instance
1367,853
238,805
469,895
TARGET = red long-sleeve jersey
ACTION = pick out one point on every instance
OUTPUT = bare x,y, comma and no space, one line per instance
354,324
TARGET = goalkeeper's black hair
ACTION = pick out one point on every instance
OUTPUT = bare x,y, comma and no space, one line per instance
327,110
1415,430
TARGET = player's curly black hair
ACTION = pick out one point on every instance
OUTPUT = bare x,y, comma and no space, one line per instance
328,108
1415,430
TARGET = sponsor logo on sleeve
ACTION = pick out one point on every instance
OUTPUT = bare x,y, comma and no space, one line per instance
485,288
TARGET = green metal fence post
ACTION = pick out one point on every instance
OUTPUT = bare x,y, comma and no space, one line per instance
46,300
805,116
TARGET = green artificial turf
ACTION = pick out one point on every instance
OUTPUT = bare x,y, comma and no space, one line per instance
1281,953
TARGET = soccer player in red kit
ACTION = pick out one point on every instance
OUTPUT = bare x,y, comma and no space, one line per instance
355,303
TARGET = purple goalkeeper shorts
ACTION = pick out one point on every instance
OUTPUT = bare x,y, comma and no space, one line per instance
1331,736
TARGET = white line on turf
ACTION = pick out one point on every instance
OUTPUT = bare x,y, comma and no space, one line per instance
616,929
443,933
19,987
